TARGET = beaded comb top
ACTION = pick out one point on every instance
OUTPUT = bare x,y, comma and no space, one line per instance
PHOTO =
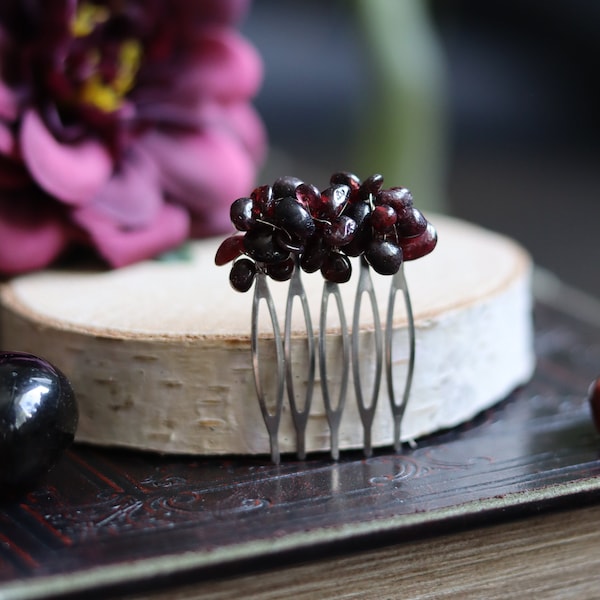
292,226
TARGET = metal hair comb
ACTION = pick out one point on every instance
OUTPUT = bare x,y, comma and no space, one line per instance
292,227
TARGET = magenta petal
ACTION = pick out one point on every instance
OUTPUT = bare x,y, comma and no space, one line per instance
132,196
204,172
226,67
244,120
30,236
8,146
120,247
73,173
8,103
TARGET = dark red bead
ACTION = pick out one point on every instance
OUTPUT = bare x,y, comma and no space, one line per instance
291,216
384,256
281,271
260,245
242,274
371,186
230,249
263,201
412,224
333,201
340,232
345,178
421,245
383,218
285,186
336,267
241,214
399,198
313,255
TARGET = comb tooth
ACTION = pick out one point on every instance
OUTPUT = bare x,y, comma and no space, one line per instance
334,414
299,415
399,284
261,292
367,412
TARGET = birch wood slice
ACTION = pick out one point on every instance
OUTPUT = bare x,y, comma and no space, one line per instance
159,353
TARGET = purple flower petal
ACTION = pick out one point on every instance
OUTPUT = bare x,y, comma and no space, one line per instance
72,173
8,146
203,172
31,236
8,103
120,247
226,66
132,196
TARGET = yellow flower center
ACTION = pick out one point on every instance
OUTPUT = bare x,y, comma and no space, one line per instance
96,90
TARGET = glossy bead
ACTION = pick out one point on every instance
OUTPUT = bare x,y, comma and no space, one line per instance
292,217
285,186
340,232
336,268
259,245
230,249
241,214
421,245
384,257
38,417
242,274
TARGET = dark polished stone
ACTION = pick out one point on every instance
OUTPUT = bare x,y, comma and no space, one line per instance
38,417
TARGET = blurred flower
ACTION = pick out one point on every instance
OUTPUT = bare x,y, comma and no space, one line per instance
125,125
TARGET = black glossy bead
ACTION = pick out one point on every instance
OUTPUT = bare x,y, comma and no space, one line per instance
38,417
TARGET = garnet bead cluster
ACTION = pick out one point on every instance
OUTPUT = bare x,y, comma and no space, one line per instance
292,222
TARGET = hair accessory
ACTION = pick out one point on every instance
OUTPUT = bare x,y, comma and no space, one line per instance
291,227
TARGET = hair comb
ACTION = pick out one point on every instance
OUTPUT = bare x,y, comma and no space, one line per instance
292,227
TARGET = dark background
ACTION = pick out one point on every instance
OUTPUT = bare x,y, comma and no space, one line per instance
521,98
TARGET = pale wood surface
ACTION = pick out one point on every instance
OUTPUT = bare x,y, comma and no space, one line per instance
158,353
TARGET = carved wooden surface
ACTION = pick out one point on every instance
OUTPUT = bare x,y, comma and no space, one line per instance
106,520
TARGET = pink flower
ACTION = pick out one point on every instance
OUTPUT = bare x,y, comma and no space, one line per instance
125,125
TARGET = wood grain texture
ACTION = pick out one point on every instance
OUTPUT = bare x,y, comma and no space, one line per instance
519,559
159,355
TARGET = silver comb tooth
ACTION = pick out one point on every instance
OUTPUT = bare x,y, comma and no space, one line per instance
367,412
299,414
262,292
334,414
398,409
350,355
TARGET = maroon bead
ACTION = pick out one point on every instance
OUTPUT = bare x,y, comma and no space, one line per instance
340,232
345,178
383,218
285,186
309,196
336,267
421,245
241,214
281,271
384,256
263,201
412,224
242,274
371,186
399,198
229,250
